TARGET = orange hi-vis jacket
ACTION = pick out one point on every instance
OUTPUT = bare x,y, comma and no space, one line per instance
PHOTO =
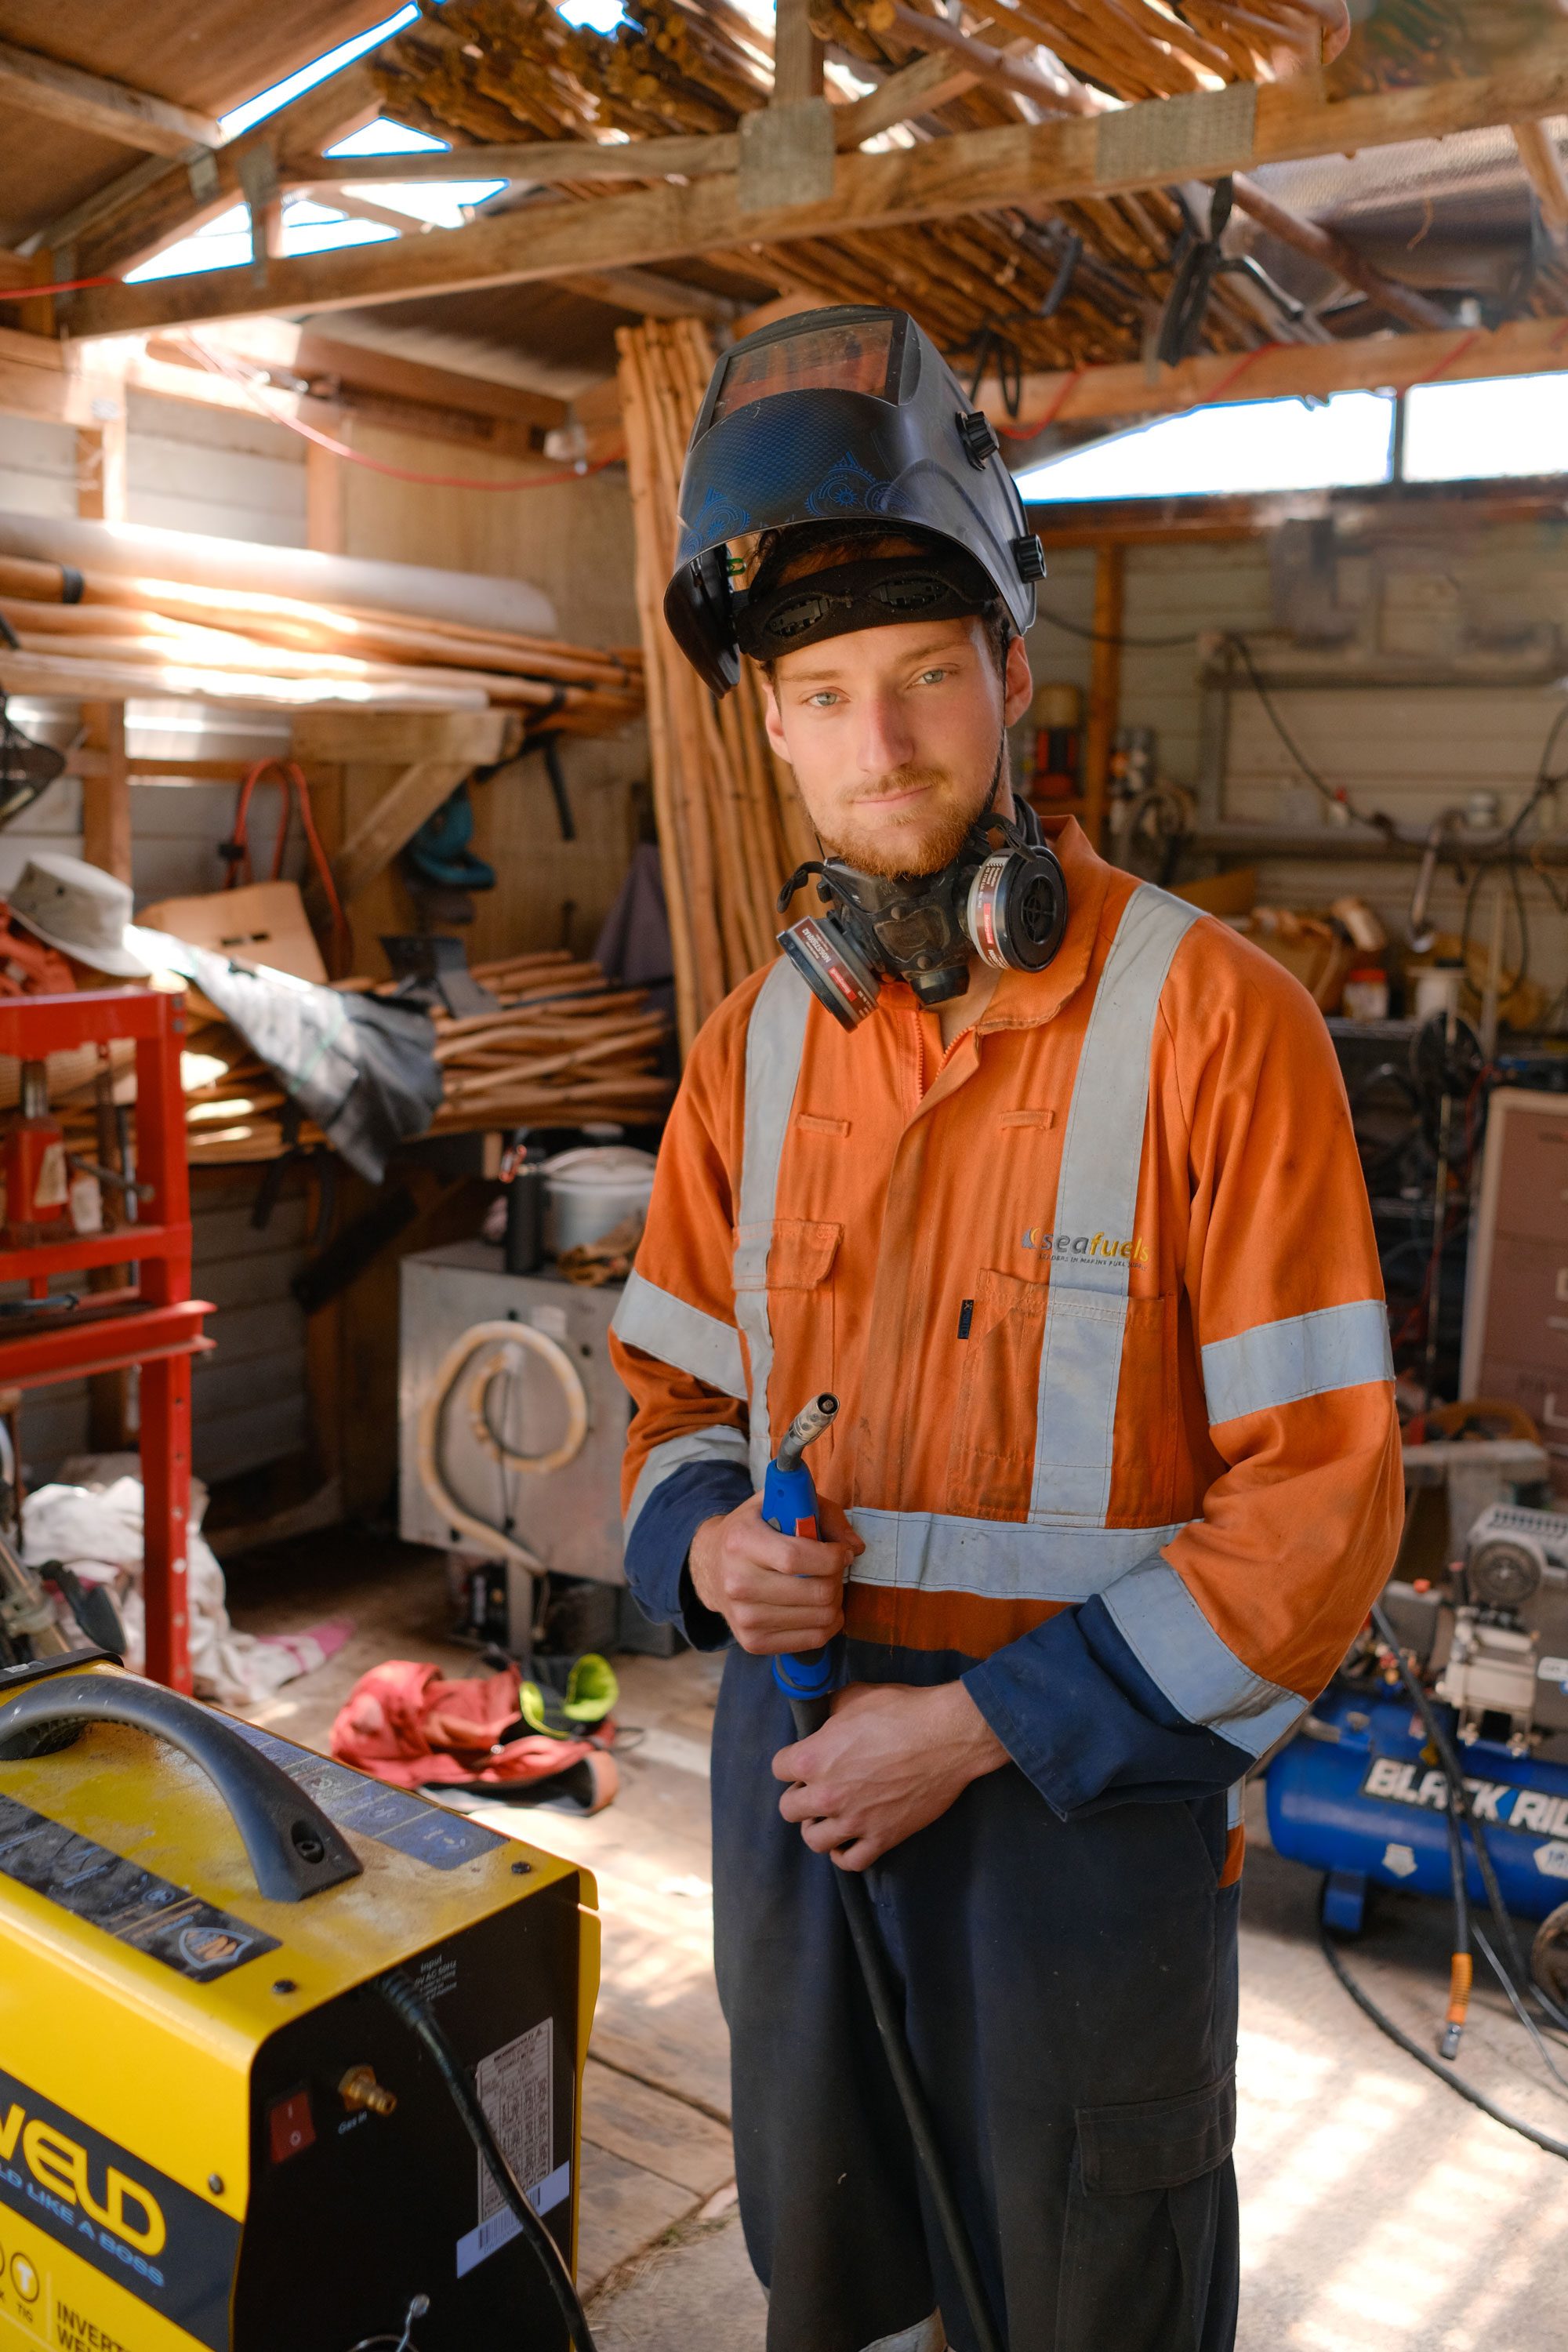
1097,1292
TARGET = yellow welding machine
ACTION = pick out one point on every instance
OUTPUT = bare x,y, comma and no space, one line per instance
216,2129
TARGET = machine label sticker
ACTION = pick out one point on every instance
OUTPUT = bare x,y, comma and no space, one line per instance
1497,1804
410,1824
132,1904
171,2249
516,2088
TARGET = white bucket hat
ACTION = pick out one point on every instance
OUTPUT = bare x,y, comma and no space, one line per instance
79,910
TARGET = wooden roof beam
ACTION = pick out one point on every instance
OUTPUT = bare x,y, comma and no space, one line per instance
939,36
1322,245
109,110
1204,135
1282,372
914,90
155,203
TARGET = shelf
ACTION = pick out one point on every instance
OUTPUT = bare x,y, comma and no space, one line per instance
1333,843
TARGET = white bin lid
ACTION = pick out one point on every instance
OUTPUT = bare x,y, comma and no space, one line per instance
600,1168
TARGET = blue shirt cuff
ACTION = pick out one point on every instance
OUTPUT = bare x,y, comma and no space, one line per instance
659,1545
1087,1724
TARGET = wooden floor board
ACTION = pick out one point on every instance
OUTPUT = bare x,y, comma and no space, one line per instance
624,2208
650,2128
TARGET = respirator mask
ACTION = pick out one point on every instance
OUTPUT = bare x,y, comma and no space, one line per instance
1004,898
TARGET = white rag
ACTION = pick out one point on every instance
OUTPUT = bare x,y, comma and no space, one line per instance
96,1531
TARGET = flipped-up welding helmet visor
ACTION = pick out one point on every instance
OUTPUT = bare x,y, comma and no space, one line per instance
847,416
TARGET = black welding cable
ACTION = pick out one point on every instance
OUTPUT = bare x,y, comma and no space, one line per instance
1413,2049
809,1716
1459,1795
406,2004
1520,2009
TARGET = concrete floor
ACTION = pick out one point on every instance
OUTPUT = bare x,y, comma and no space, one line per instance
1380,2213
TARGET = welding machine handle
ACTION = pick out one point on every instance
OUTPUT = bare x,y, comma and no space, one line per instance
294,1849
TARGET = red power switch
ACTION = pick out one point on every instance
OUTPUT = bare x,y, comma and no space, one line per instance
289,2126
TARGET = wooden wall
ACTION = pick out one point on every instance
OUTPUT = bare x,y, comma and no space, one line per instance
575,541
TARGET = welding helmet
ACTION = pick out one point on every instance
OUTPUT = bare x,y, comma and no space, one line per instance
847,417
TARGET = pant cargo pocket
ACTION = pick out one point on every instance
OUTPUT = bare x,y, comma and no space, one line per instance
1149,2247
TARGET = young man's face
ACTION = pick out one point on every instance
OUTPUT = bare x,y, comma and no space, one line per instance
894,735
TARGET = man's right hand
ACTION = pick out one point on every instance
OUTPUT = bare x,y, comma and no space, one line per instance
778,1594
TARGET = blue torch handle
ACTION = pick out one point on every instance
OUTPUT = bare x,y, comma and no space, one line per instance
789,1504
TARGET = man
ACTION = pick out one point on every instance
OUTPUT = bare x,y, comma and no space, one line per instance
1077,1234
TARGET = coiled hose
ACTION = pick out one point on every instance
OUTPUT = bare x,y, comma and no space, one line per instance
498,1337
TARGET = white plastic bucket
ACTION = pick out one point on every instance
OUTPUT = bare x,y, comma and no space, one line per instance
588,1192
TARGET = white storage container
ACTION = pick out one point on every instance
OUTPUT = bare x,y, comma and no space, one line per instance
588,1192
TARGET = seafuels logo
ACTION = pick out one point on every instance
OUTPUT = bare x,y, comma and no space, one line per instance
1084,1246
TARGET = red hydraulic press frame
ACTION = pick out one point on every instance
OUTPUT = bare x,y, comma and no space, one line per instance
156,1325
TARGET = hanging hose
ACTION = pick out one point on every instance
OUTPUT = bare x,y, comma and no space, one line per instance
406,2004
500,1335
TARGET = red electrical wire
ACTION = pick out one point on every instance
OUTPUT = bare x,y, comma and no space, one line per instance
290,776
67,286
1030,432
216,365
1447,361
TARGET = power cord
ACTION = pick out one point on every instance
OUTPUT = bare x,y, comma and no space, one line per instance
403,2343
406,2005
1412,2049
1461,1816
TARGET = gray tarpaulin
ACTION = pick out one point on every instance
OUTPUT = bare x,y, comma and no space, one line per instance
364,1069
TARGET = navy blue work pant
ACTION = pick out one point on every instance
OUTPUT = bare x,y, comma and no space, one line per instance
1069,1993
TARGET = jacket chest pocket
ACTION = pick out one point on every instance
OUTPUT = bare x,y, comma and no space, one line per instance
784,1305
993,1441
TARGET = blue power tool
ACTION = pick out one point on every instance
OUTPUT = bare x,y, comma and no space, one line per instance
789,1505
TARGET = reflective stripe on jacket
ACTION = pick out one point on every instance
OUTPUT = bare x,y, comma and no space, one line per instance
1097,1290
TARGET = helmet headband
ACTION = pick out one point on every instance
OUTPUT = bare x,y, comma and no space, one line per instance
872,592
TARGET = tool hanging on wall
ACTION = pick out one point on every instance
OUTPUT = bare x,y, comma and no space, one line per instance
27,768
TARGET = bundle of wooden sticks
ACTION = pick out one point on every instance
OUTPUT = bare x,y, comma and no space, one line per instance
732,825
564,1044
135,635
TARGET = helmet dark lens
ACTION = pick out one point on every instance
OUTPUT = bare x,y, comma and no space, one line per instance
794,620
909,591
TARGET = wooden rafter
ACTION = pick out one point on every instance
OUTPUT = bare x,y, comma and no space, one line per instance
109,110
1132,148
1284,372
154,203
298,375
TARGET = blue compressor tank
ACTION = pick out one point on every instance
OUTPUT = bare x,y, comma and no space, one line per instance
1357,1793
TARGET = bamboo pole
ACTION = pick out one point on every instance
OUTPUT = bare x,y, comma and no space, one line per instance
640,482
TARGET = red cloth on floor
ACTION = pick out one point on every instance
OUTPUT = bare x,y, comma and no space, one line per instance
401,1723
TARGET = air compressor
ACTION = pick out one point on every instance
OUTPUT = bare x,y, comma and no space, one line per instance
260,2018
1360,1792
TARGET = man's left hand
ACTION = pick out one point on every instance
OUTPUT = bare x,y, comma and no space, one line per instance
891,1759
